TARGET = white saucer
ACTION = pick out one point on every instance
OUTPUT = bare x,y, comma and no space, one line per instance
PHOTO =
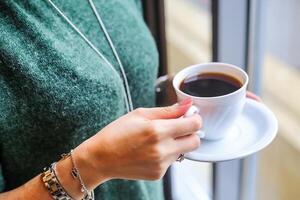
254,130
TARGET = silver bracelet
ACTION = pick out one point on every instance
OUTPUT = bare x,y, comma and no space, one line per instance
75,173
55,188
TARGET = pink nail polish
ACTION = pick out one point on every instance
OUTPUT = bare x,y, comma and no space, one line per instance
185,102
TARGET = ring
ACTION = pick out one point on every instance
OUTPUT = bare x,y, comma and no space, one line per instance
180,158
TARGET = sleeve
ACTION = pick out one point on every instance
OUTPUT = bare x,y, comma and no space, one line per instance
2,182
2,116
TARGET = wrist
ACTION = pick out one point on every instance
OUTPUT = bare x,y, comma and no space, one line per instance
92,167
91,173
63,173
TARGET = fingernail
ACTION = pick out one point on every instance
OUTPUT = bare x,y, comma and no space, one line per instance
185,102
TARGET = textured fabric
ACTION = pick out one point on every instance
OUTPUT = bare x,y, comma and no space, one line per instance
55,91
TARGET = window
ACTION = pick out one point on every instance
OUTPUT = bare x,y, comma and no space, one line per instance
188,31
278,166
261,37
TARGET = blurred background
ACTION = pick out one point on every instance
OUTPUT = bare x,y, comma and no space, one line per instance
272,59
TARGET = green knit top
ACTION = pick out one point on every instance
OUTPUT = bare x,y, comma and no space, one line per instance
56,92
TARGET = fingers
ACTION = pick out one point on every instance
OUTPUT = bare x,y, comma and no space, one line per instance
181,145
186,144
169,112
178,127
253,96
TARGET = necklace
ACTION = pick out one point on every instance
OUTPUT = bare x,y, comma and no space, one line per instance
125,88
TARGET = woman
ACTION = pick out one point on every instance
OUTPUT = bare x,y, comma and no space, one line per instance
57,92
70,74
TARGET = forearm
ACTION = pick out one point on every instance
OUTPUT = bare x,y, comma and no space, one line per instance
35,188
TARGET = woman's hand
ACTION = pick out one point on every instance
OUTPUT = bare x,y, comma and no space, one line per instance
143,143
139,145
251,95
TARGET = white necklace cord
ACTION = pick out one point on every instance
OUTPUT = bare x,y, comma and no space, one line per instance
102,25
128,108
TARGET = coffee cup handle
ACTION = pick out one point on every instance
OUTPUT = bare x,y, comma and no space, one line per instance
191,111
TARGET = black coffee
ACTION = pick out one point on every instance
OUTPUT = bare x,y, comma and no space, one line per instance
210,85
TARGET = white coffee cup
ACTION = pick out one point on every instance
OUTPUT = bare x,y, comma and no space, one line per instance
219,112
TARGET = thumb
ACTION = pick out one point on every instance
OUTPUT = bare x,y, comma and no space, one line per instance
169,112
